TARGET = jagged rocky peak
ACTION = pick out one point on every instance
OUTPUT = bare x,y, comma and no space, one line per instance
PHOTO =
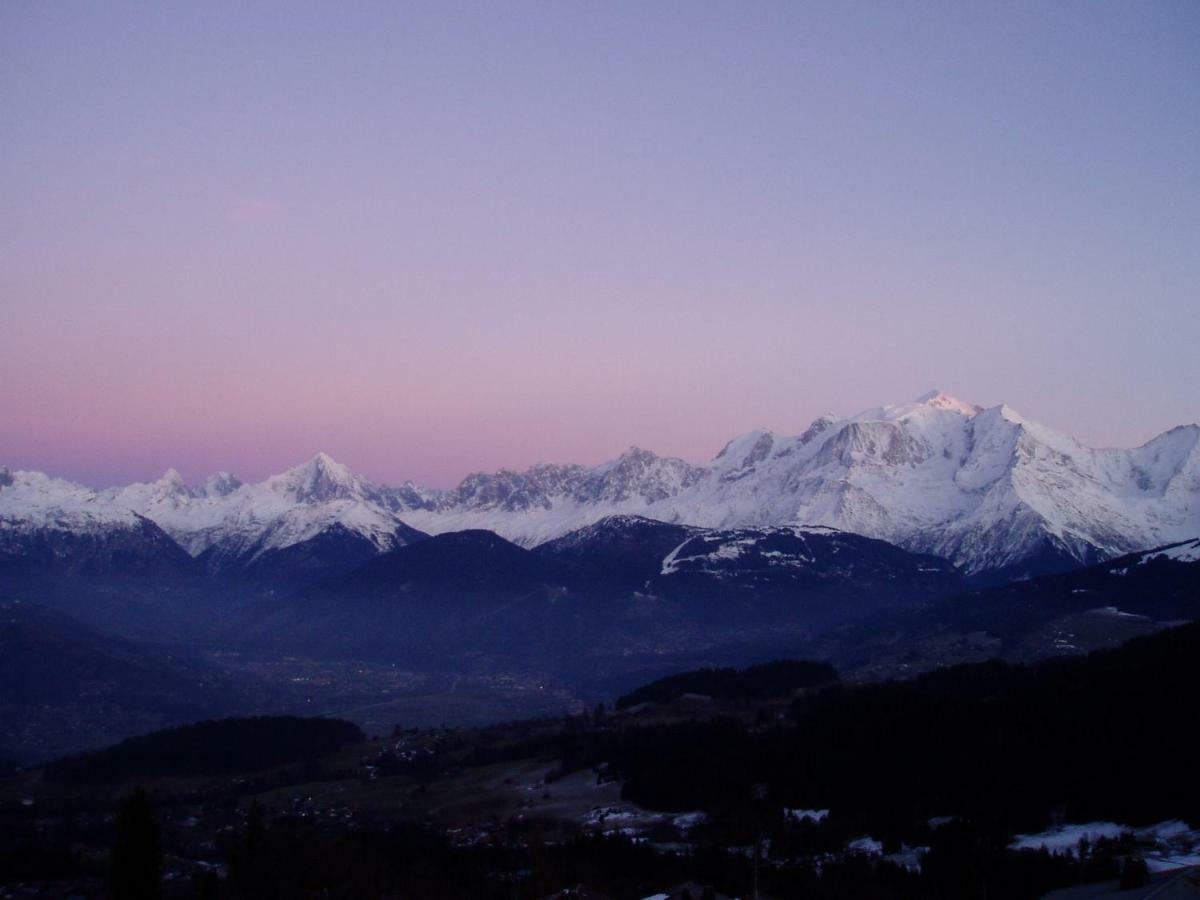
409,496
874,443
739,457
173,480
638,473
318,480
635,457
939,400
986,488
818,427
220,484
748,448
760,449
170,486
514,491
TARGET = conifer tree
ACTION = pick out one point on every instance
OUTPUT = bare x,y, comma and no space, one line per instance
136,865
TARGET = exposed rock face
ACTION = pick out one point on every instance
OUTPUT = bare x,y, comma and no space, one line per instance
983,487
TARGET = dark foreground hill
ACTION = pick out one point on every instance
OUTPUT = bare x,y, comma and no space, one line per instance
221,747
781,678
893,791
1102,737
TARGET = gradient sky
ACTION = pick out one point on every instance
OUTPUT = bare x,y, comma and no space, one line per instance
435,238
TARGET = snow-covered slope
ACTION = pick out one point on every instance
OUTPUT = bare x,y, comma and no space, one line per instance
1183,552
50,524
226,520
30,501
228,523
547,501
985,488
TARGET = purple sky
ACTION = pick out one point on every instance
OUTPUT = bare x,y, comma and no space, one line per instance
433,238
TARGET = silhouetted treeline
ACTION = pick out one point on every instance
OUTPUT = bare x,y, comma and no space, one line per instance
219,747
761,682
1108,736
136,861
292,857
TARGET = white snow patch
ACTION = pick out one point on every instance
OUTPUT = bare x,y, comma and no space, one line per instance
813,815
1067,837
1187,552
865,844
688,821
908,858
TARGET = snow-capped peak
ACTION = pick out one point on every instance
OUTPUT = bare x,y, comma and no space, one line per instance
939,400
219,484
636,454
33,500
1005,411
985,488
818,427
172,482
319,479
745,443
242,521
740,457
169,491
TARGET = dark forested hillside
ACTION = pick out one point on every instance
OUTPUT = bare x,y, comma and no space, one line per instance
1108,736
218,747
774,679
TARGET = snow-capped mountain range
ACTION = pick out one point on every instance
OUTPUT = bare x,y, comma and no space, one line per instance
243,521
984,488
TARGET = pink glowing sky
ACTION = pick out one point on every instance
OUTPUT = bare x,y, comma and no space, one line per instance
431,240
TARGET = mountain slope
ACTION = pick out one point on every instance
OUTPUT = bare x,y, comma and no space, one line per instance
985,488
65,687
1061,614
620,587
312,521
232,525
50,526
999,495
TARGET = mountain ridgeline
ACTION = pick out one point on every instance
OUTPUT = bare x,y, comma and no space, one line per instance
998,495
609,592
888,543
780,678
